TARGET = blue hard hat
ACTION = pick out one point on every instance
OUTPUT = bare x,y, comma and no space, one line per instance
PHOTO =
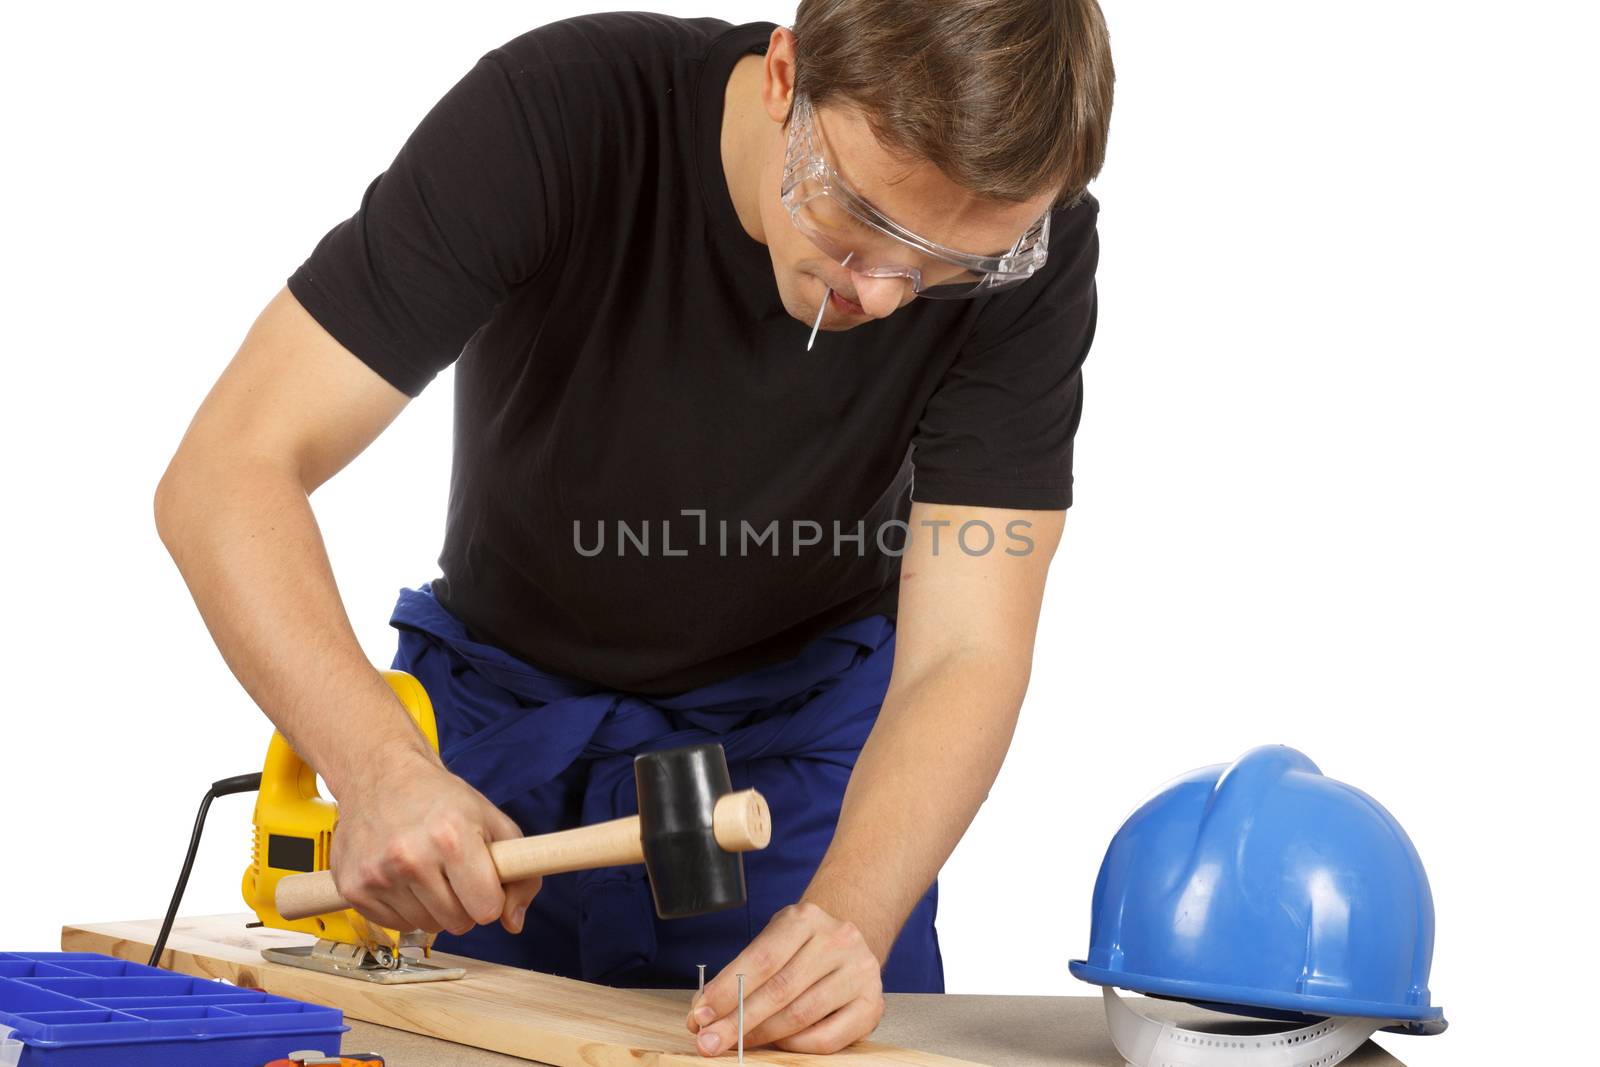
1266,887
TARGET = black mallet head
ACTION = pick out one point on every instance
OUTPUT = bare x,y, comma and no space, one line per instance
692,844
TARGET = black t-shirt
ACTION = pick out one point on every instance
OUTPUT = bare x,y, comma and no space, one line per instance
560,225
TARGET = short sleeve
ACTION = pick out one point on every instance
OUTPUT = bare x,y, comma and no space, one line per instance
440,238
999,427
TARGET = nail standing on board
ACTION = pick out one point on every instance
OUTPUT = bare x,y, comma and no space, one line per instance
741,1019
702,976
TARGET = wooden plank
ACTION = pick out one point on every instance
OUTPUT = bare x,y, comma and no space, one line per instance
1016,1030
535,1016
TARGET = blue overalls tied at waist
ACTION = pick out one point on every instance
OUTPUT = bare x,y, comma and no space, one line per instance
554,753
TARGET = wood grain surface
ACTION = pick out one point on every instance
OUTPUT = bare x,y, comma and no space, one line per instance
534,1016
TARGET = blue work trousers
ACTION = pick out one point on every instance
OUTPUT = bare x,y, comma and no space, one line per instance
555,753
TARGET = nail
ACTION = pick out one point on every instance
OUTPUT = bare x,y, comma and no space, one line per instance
709,1042
704,1015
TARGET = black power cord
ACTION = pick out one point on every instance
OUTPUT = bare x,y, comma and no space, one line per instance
243,783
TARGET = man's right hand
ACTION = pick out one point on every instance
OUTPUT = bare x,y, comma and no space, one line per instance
412,851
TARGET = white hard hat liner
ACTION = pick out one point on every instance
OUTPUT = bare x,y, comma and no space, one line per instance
1146,1042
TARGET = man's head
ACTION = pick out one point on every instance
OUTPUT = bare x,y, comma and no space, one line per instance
962,121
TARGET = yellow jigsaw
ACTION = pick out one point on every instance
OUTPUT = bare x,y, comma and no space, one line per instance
294,827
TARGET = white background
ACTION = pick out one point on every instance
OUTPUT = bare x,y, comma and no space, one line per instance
1335,481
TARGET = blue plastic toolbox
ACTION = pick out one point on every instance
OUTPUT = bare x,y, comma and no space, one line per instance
82,1009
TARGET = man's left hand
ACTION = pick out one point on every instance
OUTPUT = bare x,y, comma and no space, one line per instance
811,984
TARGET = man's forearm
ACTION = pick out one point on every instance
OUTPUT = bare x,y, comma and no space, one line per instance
925,770
243,535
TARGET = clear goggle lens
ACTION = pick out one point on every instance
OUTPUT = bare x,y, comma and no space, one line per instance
865,250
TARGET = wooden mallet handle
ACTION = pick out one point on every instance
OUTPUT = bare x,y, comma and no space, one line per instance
740,821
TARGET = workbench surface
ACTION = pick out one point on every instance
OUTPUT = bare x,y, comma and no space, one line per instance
534,1018
1015,1031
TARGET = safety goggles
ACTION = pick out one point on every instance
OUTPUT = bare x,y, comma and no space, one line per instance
853,233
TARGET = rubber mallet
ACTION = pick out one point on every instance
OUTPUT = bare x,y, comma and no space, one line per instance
691,832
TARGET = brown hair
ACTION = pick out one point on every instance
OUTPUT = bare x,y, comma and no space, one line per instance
1008,98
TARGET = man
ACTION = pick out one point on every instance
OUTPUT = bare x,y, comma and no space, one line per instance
671,519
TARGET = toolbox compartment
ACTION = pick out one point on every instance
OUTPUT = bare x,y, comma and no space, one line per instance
81,1009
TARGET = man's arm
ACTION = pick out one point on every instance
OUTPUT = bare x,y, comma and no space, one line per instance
964,650
291,409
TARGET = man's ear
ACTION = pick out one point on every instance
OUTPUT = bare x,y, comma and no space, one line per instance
777,81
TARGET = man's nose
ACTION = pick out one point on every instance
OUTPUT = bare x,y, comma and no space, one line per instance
878,297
